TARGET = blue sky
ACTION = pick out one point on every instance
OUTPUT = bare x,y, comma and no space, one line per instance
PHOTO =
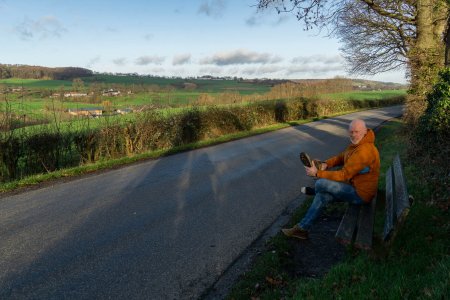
168,38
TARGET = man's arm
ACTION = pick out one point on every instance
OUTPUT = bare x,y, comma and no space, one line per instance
355,163
337,160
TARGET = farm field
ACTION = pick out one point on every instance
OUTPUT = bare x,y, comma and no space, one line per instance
201,85
38,108
33,102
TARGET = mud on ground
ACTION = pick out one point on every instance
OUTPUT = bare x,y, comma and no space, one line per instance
314,257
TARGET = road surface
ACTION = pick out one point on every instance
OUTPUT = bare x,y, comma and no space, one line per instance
161,229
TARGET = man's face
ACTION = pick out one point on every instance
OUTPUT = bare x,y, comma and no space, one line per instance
356,132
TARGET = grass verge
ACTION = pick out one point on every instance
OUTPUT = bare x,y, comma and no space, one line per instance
416,267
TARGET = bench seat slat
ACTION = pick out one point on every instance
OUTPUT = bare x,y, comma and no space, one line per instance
400,199
366,219
389,219
347,228
401,193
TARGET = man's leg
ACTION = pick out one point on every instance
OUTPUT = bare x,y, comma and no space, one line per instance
321,199
327,191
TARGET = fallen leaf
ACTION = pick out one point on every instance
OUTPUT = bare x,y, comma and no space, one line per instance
273,281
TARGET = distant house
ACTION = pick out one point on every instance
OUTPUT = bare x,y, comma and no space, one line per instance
111,92
88,112
124,111
75,94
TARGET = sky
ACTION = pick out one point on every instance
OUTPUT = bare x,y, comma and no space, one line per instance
169,38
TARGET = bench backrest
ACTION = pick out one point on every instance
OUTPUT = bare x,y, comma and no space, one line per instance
397,199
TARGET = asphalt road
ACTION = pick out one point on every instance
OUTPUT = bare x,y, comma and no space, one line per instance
161,229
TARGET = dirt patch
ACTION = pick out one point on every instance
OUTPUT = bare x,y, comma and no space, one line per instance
315,257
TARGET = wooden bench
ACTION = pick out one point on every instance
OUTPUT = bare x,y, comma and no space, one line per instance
357,223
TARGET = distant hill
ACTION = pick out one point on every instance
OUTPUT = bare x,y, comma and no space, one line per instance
69,73
363,84
38,72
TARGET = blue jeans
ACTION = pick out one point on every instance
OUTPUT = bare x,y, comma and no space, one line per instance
328,191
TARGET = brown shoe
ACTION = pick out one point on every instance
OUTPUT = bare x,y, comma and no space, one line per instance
304,157
295,232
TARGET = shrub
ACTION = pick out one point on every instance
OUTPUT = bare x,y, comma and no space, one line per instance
431,138
435,122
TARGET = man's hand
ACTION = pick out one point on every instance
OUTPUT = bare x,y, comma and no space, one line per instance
312,171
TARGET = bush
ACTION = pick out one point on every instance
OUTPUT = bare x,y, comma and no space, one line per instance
435,122
431,138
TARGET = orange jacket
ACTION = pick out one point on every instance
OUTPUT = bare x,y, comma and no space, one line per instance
354,161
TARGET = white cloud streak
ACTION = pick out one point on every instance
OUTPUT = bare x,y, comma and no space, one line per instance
45,27
212,8
181,59
318,59
121,61
240,57
93,61
149,60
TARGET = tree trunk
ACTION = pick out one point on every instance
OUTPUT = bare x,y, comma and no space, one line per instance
447,45
426,55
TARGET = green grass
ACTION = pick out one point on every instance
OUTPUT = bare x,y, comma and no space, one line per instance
210,86
202,86
416,267
365,95
36,83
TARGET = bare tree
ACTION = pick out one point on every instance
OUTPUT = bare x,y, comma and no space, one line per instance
382,35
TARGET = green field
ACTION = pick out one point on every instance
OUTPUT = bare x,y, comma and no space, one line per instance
201,86
33,105
36,83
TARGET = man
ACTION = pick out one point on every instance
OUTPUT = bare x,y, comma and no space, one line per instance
355,182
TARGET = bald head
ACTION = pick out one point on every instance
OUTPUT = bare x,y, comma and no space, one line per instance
357,130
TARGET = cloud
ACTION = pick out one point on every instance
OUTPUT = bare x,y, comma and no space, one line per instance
261,19
111,29
181,59
121,61
262,70
316,64
318,59
93,61
314,69
240,57
148,37
212,8
147,60
45,27
281,19
252,21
